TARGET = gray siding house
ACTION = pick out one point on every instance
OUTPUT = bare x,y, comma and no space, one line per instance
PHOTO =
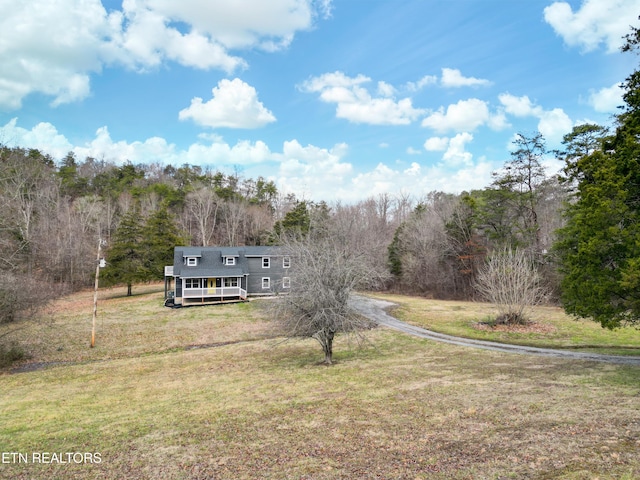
207,275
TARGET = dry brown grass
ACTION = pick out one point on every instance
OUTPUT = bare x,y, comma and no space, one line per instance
129,326
400,408
549,326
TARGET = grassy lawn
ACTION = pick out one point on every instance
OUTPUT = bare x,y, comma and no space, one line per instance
131,326
551,328
251,406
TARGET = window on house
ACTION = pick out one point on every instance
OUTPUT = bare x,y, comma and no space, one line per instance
266,282
191,283
230,260
231,282
266,262
286,262
192,261
286,282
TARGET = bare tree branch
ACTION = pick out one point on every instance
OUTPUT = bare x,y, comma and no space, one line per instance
324,273
511,282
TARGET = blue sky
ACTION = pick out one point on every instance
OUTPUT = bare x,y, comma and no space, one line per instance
334,100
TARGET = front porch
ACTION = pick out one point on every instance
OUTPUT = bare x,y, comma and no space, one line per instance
210,290
204,296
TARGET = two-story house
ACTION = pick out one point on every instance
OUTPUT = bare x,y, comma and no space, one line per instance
206,275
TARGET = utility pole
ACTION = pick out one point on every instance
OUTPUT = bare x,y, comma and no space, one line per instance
99,263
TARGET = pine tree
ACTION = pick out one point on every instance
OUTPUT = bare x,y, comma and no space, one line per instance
515,193
160,237
125,256
599,249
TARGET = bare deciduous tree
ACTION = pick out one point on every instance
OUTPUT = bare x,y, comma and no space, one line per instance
234,213
202,205
259,223
324,273
428,257
27,198
511,282
366,227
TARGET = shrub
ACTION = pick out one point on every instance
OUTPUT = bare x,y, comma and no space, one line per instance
10,355
510,281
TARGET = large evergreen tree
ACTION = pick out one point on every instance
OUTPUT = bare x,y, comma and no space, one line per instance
599,249
160,237
125,256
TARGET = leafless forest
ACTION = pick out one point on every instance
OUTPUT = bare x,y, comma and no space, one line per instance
55,211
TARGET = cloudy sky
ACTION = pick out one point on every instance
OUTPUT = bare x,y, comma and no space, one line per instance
331,99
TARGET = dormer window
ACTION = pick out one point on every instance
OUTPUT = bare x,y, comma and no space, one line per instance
229,260
192,261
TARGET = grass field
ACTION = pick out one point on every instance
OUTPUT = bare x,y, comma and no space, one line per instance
251,406
550,326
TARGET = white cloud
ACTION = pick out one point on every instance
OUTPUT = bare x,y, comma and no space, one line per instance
553,124
214,28
103,146
386,90
454,78
308,171
313,172
519,106
414,170
378,111
595,22
44,137
52,47
456,153
413,151
607,100
436,144
220,153
418,180
382,179
245,24
453,148
355,103
423,82
234,104
451,78
466,115
213,151
333,80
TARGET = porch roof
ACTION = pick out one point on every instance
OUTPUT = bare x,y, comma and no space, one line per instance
212,272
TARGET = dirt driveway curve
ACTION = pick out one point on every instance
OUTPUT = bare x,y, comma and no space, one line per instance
374,309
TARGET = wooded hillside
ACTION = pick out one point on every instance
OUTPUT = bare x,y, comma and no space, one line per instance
580,228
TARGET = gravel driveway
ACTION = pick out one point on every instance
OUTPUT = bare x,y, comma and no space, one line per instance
374,309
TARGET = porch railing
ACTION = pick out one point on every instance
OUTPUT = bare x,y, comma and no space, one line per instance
214,292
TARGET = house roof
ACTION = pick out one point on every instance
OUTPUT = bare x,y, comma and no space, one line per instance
211,260
191,252
202,272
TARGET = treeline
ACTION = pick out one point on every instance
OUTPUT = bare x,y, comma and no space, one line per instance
446,239
55,213
581,229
